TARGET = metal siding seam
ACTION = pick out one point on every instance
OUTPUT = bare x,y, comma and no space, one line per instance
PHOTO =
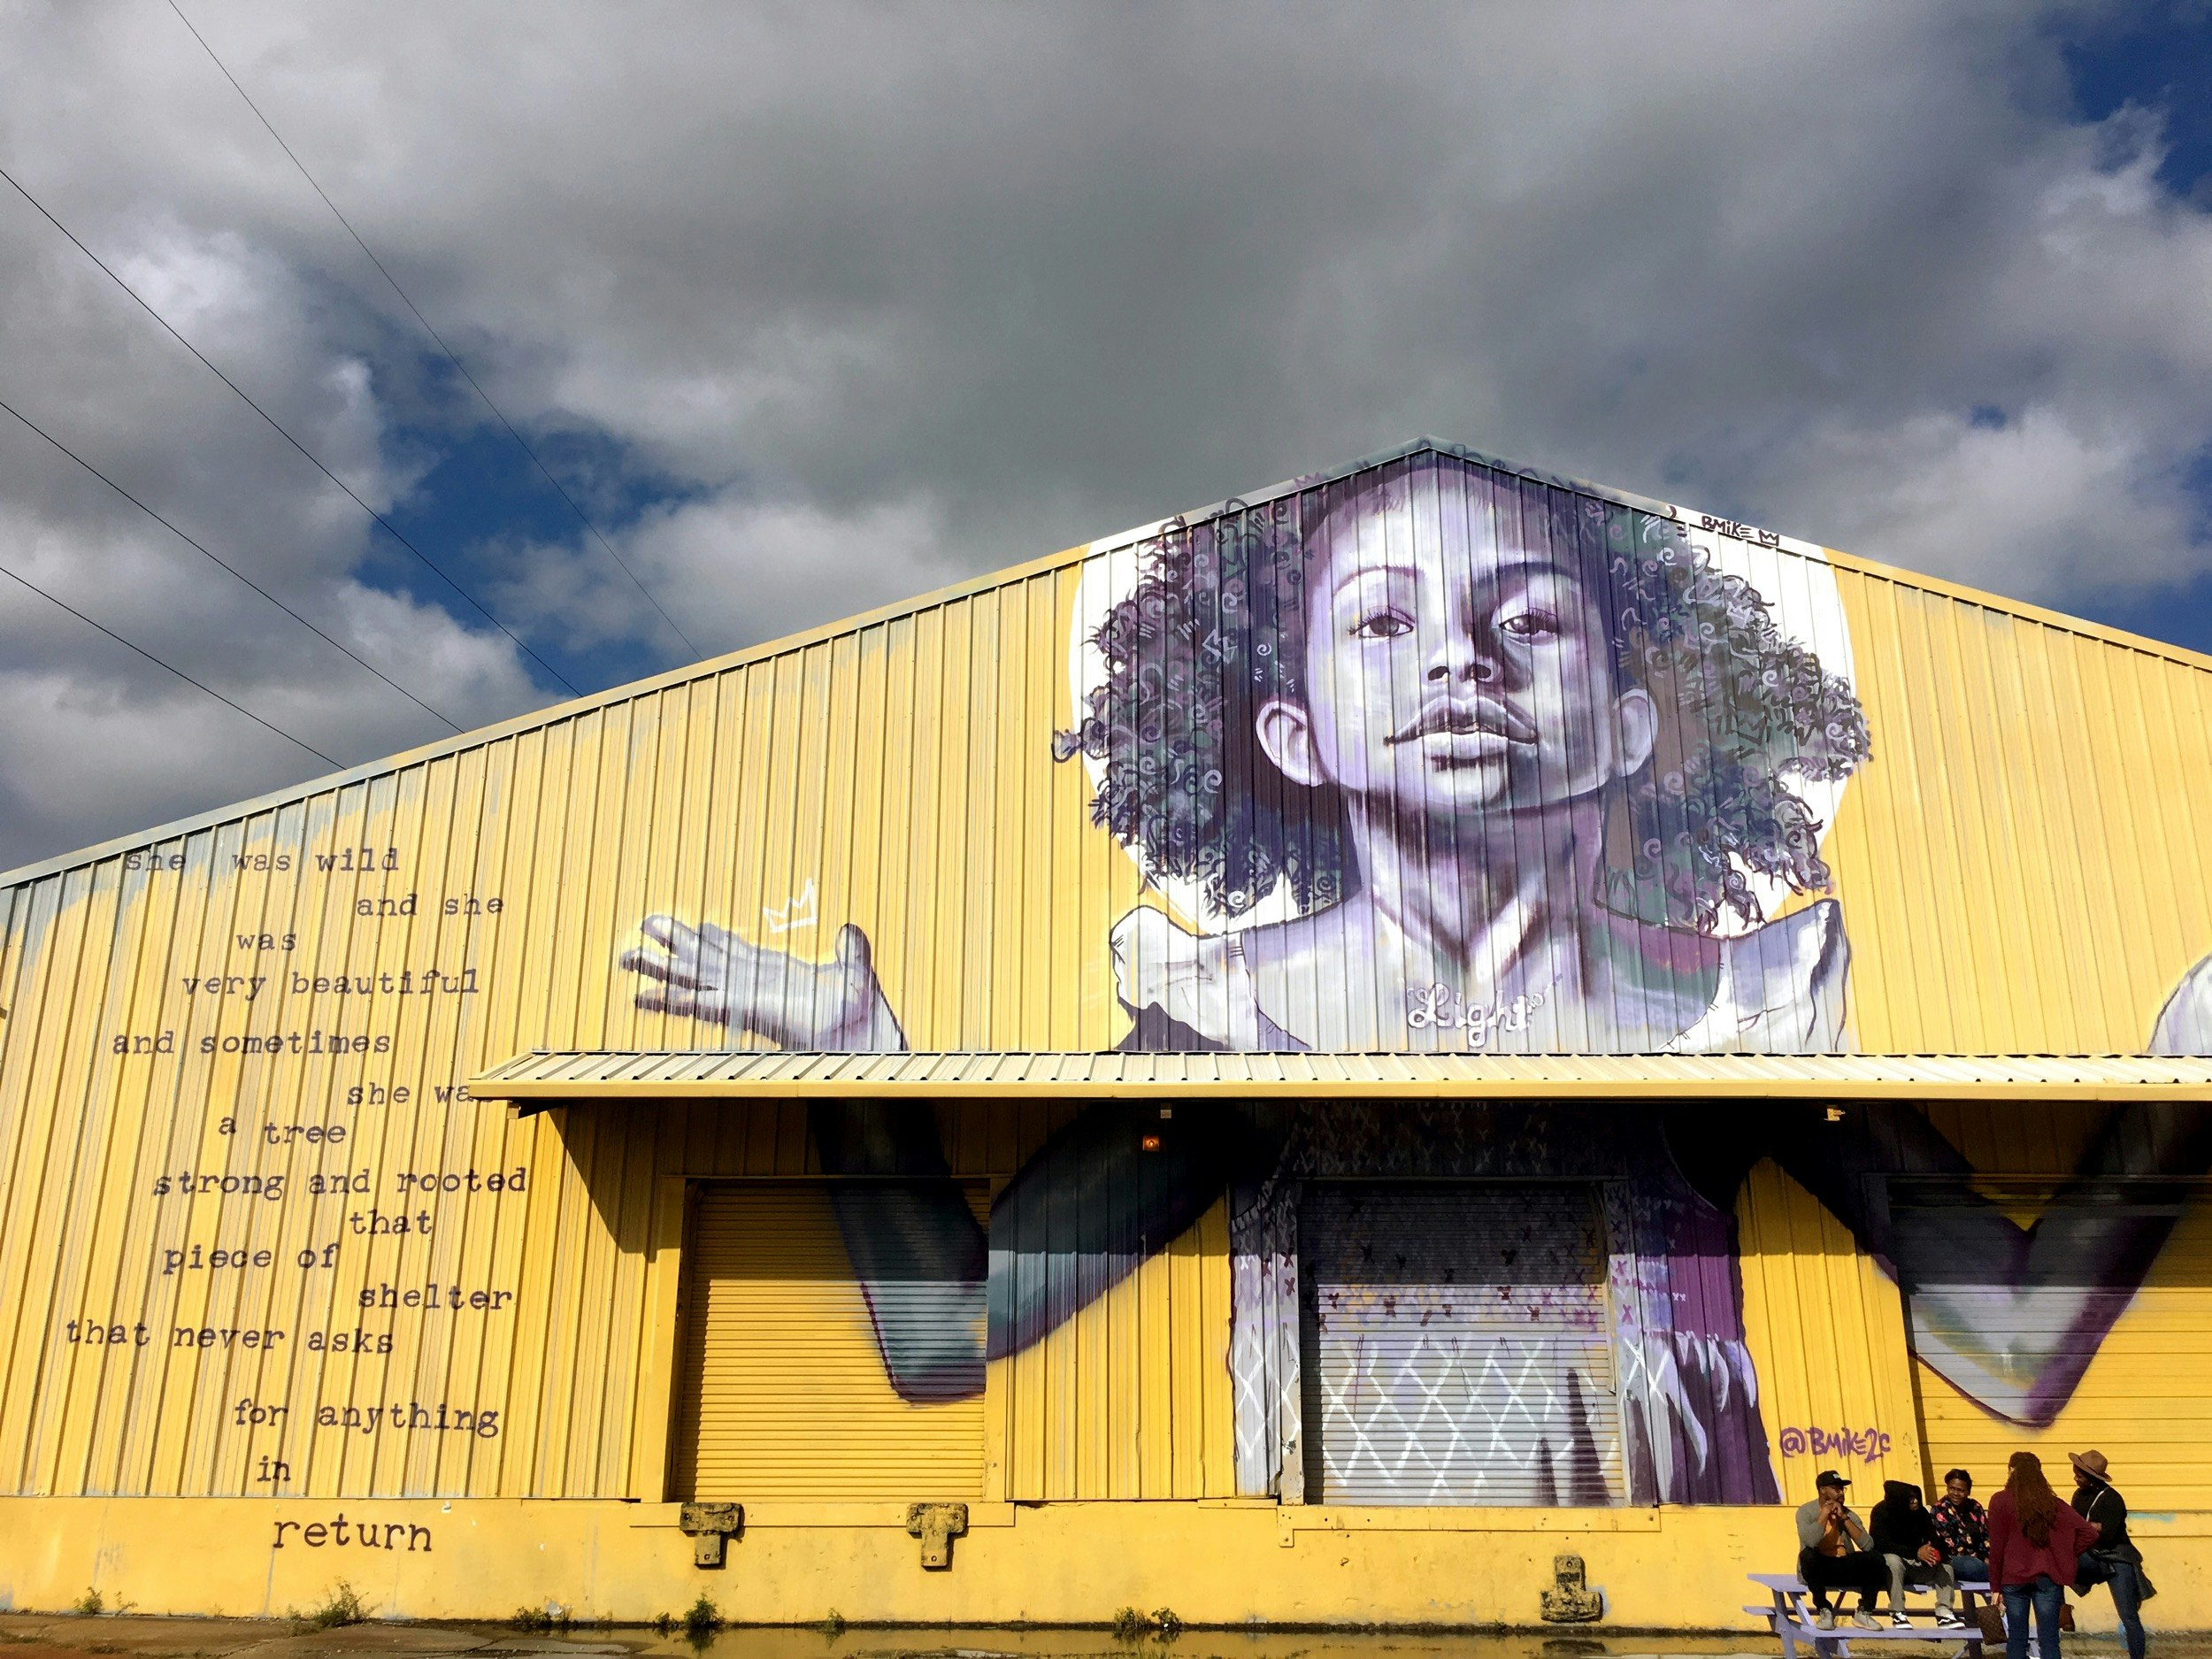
2007,935
2057,1017
997,826
726,712
1881,665
2117,773
949,896
2186,719
484,1375
2055,784
613,853
839,887
1051,992
548,1255
62,966
604,1434
1936,716
94,1254
112,1219
2109,817
20,1121
2181,821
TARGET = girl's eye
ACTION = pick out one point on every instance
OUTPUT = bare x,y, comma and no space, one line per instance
1383,625
1531,625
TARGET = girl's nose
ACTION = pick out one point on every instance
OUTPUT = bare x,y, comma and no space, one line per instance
1462,656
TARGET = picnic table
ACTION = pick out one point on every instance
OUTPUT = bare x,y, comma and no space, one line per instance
1791,1618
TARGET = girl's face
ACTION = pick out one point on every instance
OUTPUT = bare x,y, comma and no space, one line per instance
1452,669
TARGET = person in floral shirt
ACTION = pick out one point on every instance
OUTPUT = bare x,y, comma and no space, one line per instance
1962,1527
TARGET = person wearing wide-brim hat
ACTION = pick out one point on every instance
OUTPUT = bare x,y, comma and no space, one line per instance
2113,1559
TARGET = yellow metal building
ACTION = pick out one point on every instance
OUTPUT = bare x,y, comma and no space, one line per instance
1293,1064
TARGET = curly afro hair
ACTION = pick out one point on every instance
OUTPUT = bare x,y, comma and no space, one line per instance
1214,630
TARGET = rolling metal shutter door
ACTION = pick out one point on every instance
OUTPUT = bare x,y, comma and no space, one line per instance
1457,1346
784,1392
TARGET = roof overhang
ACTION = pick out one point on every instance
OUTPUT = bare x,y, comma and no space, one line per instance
541,1079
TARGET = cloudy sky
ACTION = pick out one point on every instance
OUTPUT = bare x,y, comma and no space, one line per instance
812,307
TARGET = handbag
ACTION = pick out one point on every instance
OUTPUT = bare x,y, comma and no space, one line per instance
1990,1615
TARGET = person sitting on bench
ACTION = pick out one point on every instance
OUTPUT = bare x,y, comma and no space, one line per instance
1835,1553
1904,1537
1961,1527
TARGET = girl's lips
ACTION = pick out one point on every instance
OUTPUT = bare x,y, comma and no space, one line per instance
1483,719
1450,751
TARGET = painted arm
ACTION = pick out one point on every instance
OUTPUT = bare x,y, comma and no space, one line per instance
914,1245
1093,1203
2011,1316
915,1248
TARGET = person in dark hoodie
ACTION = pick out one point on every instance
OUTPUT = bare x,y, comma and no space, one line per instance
1904,1534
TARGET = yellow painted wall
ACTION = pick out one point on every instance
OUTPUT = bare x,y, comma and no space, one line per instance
1218,1564
2021,866
1827,1329
1131,1398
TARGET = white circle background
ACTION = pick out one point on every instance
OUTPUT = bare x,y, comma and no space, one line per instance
1795,579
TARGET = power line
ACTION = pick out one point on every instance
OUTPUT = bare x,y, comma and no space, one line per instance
171,667
232,569
450,356
389,527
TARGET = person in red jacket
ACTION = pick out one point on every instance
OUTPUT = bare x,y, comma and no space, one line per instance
2034,1542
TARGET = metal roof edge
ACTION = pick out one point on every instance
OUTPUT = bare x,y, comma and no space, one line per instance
539,1078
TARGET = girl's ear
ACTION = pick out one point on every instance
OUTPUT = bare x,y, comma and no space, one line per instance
1286,735
1636,719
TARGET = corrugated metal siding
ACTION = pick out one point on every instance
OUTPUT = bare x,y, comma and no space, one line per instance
1458,1347
2022,868
2028,847
1129,1397
783,1392
1826,1330
2141,1400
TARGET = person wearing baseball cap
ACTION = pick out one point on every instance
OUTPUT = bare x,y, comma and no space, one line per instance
1835,1553
2113,1561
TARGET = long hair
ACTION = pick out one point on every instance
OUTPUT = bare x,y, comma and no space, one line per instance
2034,1505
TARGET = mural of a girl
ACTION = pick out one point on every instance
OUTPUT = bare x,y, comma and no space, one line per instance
1437,756
1510,754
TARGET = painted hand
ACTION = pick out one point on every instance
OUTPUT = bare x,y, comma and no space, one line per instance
708,972
1201,982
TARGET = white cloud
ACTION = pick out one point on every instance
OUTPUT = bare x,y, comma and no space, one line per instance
894,296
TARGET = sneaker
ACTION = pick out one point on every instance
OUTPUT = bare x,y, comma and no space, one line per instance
1898,1621
1946,1620
1865,1620
1825,1619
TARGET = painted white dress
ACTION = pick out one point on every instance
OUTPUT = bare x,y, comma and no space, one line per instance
1780,988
